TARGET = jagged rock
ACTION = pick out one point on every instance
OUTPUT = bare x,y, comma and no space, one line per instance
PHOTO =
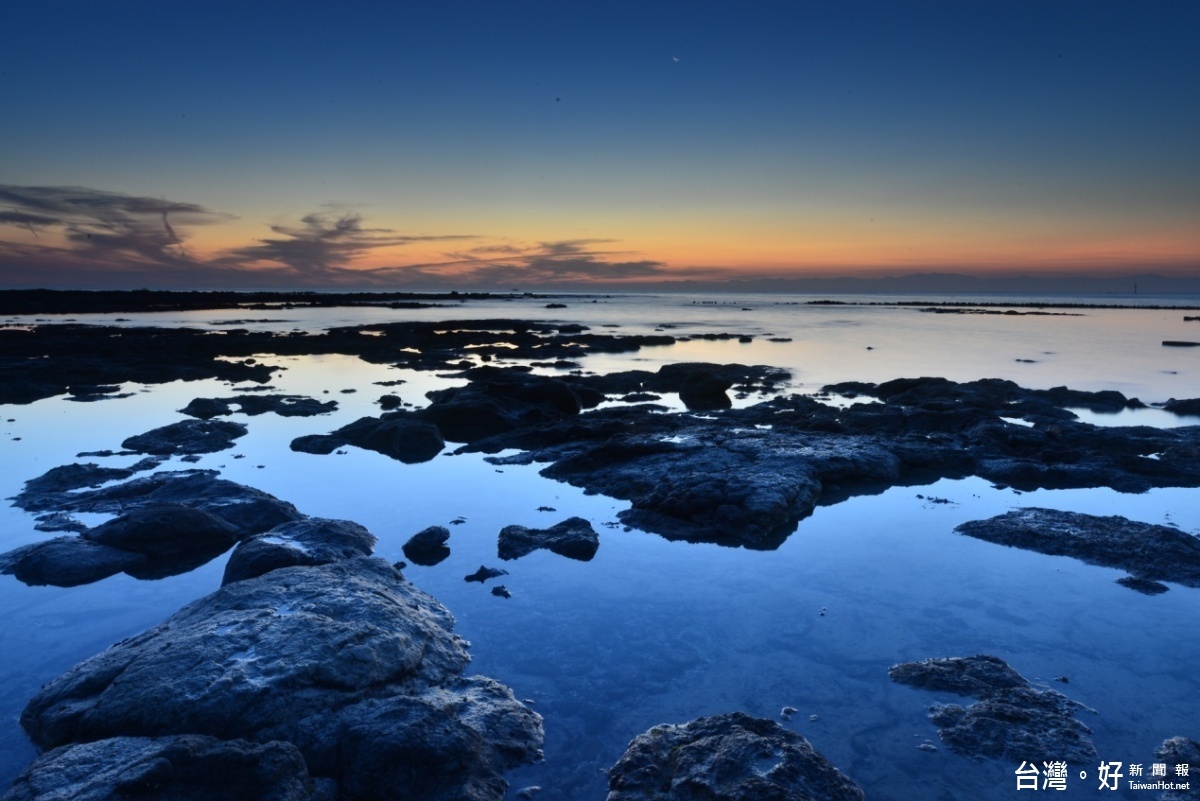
348,661
68,562
1189,406
484,573
1149,552
180,768
187,436
1180,751
428,547
732,757
1011,719
499,400
73,476
311,541
58,521
574,538
247,509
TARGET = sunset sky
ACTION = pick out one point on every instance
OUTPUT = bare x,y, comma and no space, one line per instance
510,144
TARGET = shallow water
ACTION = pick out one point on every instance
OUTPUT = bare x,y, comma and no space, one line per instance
653,631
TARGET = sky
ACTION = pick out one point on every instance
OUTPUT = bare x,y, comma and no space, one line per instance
531,145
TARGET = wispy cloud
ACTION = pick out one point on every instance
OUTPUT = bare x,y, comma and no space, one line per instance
322,244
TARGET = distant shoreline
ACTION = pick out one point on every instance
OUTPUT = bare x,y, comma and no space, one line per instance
113,301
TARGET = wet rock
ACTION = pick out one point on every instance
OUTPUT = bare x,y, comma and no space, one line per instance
1154,553
500,591
640,397
484,573
166,531
1174,752
1011,719
398,435
497,401
283,405
181,768
249,510
57,521
74,476
705,390
207,408
67,562
731,756
1189,406
573,538
347,661
389,402
320,444
428,547
311,541
1144,586
187,436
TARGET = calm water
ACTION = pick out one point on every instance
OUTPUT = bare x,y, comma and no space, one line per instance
652,631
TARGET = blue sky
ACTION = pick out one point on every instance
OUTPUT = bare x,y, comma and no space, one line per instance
448,143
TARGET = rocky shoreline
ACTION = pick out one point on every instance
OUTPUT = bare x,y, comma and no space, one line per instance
318,670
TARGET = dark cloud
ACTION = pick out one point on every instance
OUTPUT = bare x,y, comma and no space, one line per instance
322,245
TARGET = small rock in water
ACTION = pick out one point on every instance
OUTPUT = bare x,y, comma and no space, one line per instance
813,718
822,612
484,573
787,712
527,793
927,746
500,591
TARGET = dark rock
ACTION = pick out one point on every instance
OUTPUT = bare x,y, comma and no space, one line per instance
428,547
67,562
320,444
573,538
500,591
1156,553
397,435
1189,406
207,408
282,405
703,390
187,436
640,397
347,661
971,675
1174,752
249,510
388,402
1176,343
167,531
732,757
1144,586
1011,720
497,401
58,521
484,573
311,541
181,768
74,476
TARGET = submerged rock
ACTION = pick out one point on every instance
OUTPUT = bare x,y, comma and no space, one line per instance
67,562
573,538
733,757
282,405
1149,552
484,573
399,435
166,531
1175,752
347,661
311,541
1011,719
187,436
428,547
182,768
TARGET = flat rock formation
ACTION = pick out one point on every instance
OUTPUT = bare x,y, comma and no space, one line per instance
181,767
747,476
167,523
187,436
573,538
347,661
282,405
1150,553
733,757
400,435
1011,719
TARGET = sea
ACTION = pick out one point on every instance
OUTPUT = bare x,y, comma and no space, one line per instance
652,631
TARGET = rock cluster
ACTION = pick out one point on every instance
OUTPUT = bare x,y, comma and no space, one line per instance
733,757
1011,719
